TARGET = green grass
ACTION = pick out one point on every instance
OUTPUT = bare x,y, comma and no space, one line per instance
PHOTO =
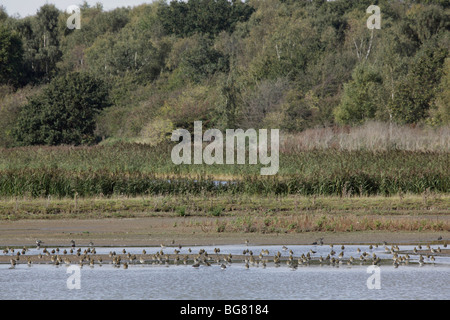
222,206
133,169
249,213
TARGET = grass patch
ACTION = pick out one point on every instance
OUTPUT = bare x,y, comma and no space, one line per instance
269,207
250,214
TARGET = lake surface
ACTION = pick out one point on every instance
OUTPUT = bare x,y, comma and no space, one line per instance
45,281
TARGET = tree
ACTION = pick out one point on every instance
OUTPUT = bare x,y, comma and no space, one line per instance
415,94
264,100
203,16
427,21
3,14
64,113
11,57
127,52
48,50
360,100
40,36
203,60
227,111
11,102
440,114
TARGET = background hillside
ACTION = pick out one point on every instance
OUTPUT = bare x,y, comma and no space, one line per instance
287,64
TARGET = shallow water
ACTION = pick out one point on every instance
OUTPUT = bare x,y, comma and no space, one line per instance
431,281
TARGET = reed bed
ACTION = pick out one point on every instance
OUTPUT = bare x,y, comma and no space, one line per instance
134,169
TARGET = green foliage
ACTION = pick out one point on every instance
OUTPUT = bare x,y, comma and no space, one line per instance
11,57
284,64
216,211
157,131
135,169
416,92
3,14
227,110
440,114
64,113
181,211
11,102
122,53
360,100
203,61
192,104
425,22
42,46
202,16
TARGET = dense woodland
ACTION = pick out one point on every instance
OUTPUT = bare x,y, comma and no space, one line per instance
135,74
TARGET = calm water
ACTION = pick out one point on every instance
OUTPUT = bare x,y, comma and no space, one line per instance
431,281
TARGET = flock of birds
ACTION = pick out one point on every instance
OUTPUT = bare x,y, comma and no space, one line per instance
90,257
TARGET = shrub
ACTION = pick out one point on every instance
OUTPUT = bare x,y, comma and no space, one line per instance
181,211
216,211
64,113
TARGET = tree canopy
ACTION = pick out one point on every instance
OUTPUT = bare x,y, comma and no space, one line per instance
287,64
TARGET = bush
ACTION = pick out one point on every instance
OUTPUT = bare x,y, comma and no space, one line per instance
64,113
156,131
